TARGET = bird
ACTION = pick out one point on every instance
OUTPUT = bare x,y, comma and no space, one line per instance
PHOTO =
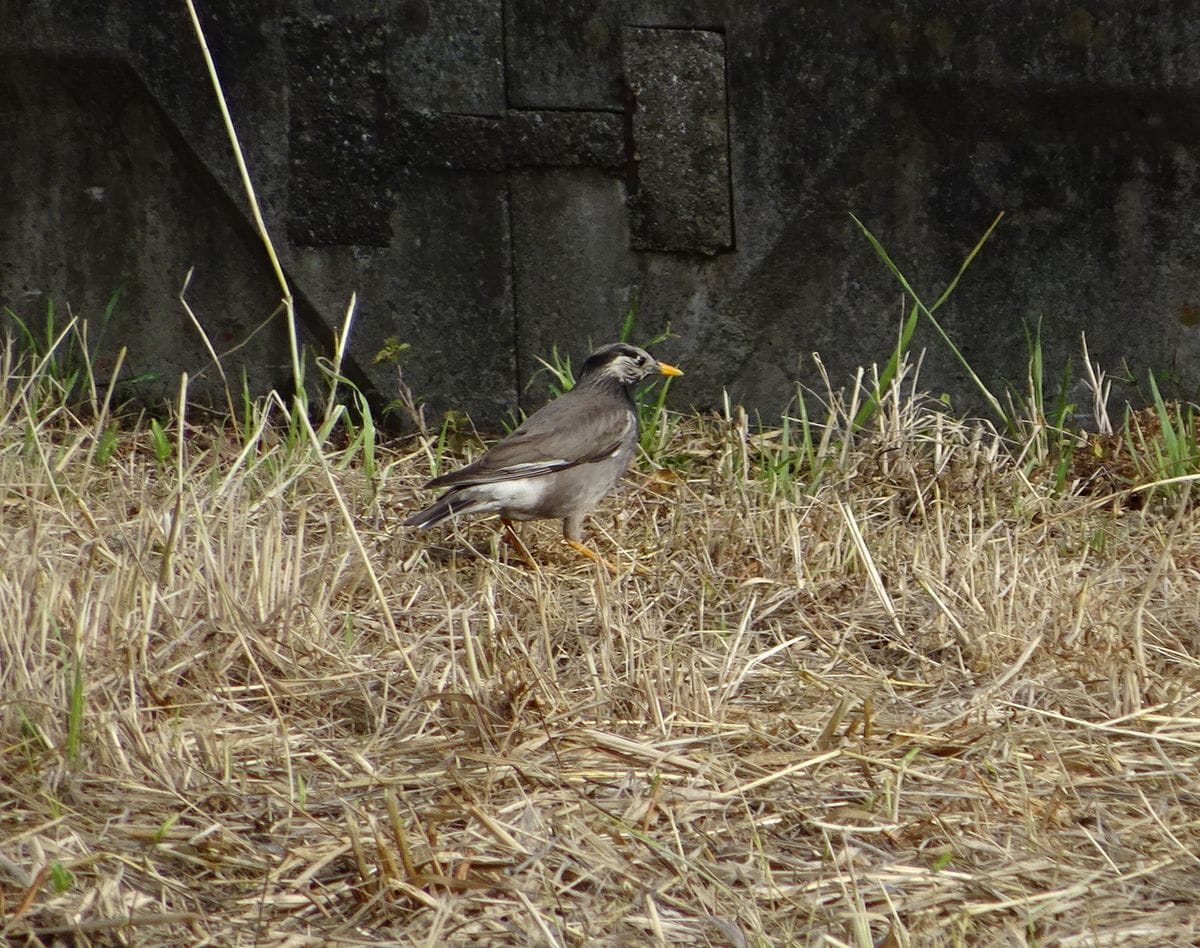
562,460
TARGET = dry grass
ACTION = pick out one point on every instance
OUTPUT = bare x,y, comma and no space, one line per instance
926,703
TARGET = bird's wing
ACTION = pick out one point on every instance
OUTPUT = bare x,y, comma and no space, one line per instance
557,436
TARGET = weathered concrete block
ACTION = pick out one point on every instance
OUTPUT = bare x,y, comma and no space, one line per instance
246,42
114,203
563,55
572,266
393,143
446,141
565,140
426,37
443,285
518,140
337,132
679,180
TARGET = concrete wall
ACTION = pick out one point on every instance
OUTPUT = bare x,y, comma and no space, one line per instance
496,177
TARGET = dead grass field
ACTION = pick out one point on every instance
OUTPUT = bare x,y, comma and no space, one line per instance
914,697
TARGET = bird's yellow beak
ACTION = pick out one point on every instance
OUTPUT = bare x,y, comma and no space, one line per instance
665,369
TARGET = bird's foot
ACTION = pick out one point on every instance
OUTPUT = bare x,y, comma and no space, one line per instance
593,555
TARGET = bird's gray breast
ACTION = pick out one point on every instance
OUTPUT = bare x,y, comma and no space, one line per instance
580,488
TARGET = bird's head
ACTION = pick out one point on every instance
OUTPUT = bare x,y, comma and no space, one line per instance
624,364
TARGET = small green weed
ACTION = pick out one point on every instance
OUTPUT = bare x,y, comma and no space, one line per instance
164,828
1037,419
63,358
75,708
62,879
1168,450
885,378
160,442
787,458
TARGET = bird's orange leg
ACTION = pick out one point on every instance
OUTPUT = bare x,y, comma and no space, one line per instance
592,555
510,536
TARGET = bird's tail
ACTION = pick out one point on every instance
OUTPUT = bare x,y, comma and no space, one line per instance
441,509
